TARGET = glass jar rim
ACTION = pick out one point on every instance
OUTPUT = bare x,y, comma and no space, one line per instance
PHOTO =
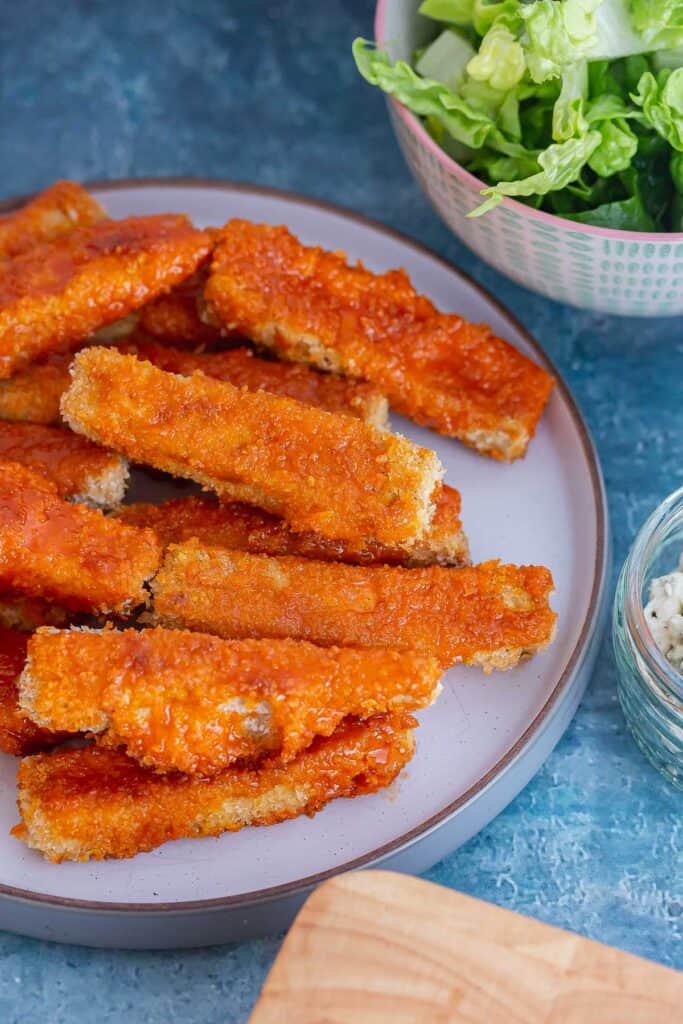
647,539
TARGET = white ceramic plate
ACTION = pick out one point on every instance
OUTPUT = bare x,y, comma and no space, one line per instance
476,747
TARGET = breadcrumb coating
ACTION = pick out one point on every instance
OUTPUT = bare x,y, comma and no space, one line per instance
94,803
61,292
51,214
33,394
310,306
490,615
239,366
245,528
18,734
74,555
181,701
81,470
322,472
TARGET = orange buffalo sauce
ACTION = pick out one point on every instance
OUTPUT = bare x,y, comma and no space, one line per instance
489,615
94,803
69,553
245,528
441,371
181,701
61,292
331,474
72,462
18,734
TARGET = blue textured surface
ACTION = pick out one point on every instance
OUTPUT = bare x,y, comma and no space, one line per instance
266,92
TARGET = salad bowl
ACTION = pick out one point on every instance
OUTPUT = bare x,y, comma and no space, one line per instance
632,273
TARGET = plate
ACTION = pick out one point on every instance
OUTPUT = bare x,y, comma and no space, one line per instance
476,747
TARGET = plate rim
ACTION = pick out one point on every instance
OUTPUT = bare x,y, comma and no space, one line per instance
563,683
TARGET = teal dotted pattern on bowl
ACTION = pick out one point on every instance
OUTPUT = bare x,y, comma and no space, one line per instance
635,278
630,273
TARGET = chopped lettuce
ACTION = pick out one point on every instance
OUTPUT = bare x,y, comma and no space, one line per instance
568,112
500,61
662,101
618,146
559,165
424,95
573,106
446,59
660,22
558,34
451,12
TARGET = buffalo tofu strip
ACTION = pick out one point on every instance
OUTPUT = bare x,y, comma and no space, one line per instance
175,318
181,701
81,470
330,474
310,306
51,214
33,394
50,548
93,803
239,366
60,293
490,615
18,734
245,528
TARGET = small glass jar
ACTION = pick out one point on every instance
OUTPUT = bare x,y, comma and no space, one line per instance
650,688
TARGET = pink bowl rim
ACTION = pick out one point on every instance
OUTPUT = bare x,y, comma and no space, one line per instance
414,125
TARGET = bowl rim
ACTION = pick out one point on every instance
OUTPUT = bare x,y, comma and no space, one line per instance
415,126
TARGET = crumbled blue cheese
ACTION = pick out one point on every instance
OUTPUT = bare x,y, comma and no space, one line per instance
664,614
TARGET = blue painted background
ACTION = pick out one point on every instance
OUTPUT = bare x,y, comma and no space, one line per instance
266,92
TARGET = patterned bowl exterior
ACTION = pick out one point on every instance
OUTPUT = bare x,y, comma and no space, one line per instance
632,273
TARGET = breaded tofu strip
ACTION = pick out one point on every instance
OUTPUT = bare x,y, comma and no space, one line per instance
245,528
33,395
81,470
187,702
94,803
239,366
18,734
176,318
310,306
74,555
60,293
490,615
319,471
57,211
28,613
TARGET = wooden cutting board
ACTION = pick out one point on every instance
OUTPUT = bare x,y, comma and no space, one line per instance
379,948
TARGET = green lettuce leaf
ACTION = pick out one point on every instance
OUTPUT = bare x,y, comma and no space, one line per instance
468,116
649,176
659,21
559,165
486,12
445,60
558,34
423,95
626,215
668,59
661,99
618,146
500,61
451,12
568,118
